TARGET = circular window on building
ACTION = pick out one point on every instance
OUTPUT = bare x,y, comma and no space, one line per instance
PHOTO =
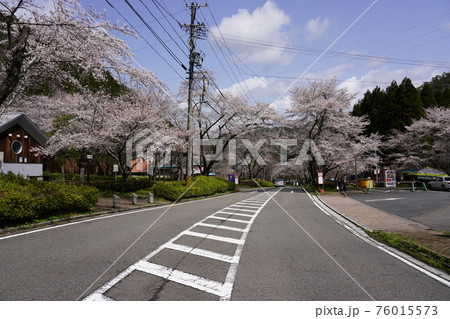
16,147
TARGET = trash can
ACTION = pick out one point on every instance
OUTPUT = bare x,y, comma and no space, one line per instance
365,183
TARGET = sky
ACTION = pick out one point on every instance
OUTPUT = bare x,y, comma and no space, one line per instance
260,49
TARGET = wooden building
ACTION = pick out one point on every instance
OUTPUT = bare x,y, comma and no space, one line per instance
18,136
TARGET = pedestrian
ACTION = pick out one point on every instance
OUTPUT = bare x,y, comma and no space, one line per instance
340,185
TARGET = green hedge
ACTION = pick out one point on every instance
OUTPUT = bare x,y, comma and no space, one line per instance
124,187
203,186
23,201
252,183
266,184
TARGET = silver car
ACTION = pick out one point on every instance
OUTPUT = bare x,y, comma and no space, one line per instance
279,183
442,183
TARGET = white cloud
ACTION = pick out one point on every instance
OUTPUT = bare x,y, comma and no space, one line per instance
256,86
265,24
383,77
315,28
264,90
336,71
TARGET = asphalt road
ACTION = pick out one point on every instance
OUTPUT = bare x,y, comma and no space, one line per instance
244,246
431,208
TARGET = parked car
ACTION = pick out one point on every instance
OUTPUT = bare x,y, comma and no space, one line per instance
442,183
279,183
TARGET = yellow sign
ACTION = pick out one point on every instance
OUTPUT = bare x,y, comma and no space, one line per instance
188,181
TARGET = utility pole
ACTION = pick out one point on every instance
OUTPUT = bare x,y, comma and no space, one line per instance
196,31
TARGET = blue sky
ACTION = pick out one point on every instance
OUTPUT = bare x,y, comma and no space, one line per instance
258,49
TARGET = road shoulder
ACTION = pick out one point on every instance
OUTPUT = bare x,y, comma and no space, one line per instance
375,219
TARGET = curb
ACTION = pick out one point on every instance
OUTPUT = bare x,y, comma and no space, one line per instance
435,273
343,215
8,231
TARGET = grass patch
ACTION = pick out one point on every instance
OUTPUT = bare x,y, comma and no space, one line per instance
407,246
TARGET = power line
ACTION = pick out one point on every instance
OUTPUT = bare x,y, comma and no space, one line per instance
330,53
171,53
315,79
157,20
239,82
131,25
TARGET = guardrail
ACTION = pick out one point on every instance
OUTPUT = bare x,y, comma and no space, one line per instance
424,186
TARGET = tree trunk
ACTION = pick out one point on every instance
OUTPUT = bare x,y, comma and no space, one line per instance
13,71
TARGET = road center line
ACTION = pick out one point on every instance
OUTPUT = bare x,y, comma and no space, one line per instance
323,249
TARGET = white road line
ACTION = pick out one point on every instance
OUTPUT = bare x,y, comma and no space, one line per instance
234,214
202,253
384,199
98,297
257,202
110,284
230,219
323,249
113,215
231,275
250,205
210,286
241,209
348,224
222,227
214,237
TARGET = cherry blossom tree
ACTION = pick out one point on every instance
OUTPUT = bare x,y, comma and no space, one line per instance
58,47
426,142
50,60
104,125
320,115
220,119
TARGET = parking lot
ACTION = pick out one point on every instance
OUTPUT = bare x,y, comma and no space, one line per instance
431,208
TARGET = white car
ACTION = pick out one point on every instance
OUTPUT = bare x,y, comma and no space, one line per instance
279,183
442,183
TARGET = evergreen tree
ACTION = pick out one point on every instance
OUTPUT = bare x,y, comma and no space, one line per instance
441,89
372,106
427,95
392,109
409,104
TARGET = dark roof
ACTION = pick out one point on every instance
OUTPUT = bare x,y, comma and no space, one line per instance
8,120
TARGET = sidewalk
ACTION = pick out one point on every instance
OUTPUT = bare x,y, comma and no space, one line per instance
376,219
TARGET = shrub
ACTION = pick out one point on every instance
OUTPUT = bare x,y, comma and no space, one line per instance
23,201
266,184
52,199
15,207
252,183
204,186
170,191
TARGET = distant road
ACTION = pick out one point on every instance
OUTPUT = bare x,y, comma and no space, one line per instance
244,246
431,208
